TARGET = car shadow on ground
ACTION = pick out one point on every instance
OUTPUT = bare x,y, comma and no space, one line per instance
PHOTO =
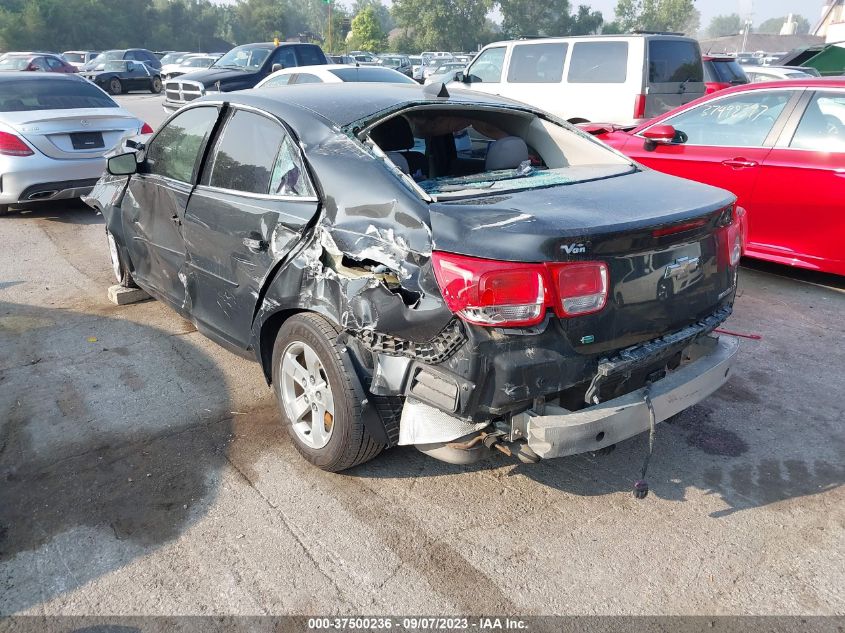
693,451
96,469
65,211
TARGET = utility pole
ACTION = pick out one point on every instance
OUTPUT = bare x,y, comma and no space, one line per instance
329,37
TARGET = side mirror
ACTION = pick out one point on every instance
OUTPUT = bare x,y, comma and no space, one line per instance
122,165
276,67
459,76
658,135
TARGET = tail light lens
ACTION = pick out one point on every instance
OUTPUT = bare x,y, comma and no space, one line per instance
488,292
581,287
12,145
508,294
639,107
731,233
146,129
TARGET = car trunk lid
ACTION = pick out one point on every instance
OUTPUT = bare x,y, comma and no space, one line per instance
73,134
658,235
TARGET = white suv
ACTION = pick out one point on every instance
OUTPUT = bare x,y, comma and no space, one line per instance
608,78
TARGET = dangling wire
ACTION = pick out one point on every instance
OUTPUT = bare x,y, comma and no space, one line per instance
641,485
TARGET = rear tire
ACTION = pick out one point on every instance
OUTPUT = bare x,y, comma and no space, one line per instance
156,87
115,86
119,266
319,406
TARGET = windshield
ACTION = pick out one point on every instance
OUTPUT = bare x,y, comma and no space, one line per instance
22,95
372,74
14,63
199,62
495,150
172,58
99,62
245,57
115,66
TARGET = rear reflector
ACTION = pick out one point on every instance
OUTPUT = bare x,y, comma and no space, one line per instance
510,294
11,145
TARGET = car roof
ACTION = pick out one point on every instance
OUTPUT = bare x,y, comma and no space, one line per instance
341,104
810,82
548,40
23,76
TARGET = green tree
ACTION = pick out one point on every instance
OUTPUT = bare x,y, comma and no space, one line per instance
655,15
724,25
774,25
382,13
444,24
367,33
552,18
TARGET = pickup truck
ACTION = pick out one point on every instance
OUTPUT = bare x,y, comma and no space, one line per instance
239,69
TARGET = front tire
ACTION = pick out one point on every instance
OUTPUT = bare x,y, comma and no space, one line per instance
4,209
115,86
156,87
119,266
319,405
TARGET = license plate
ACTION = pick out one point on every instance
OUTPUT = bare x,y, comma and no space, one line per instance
87,140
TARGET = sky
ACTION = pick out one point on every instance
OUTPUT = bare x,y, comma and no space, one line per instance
763,9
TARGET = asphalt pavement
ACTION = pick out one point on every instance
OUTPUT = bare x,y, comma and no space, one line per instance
144,470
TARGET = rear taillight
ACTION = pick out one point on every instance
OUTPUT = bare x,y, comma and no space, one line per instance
487,292
731,234
509,294
146,129
581,287
639,107
11,145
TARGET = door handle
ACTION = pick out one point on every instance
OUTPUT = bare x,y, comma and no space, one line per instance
176,220
256,246
740,163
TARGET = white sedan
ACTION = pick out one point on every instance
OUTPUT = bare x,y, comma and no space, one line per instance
333,74
55,131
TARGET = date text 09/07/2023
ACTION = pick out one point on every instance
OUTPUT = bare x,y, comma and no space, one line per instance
417,623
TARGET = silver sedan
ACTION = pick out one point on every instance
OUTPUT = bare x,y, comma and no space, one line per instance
54,133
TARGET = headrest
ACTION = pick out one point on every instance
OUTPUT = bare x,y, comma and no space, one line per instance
506,153
400,161
393,135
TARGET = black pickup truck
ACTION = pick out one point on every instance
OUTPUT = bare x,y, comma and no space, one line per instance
239,69
538,293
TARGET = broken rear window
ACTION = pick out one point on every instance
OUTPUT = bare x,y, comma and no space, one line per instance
455,152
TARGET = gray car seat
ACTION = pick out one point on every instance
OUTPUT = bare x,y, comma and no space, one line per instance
506,153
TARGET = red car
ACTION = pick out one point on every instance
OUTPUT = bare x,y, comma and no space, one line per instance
779,146
43,62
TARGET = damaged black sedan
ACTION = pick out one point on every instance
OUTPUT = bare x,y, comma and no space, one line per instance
453,271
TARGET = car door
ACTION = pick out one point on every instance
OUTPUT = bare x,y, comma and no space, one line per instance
154,206
800,199
722,142
249,211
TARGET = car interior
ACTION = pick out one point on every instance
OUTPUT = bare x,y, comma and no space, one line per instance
437,146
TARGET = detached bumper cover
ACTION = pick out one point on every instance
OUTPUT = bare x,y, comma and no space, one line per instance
560,432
